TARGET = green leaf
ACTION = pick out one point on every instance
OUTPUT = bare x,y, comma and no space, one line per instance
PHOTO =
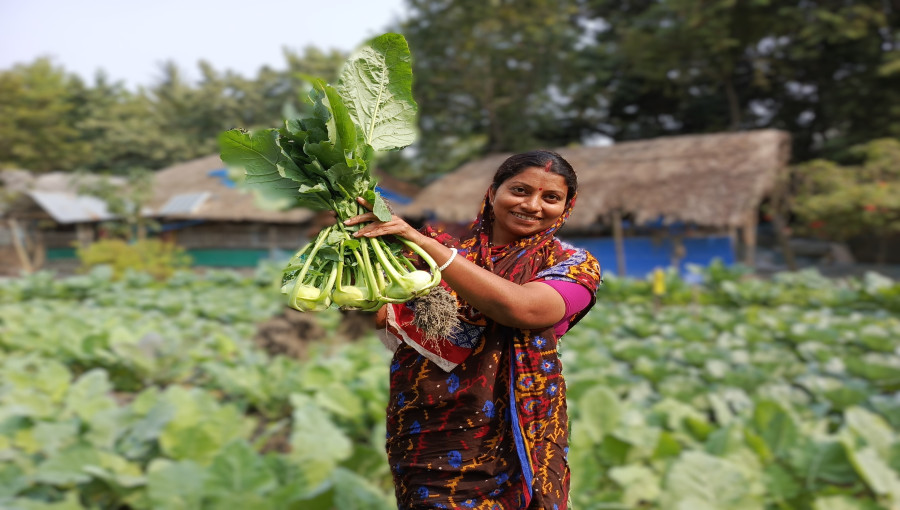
640,484
871,428
352,181
776,426
54,436
326,152
12,480
67,467
357,493
268,169
260,154
780,483
876,473
315,440
381,209
841,503
376,84
600,412
701,481
315,197
238,469
175,485
200,426
667,446
340,400
69,502
89,395
345,131
824,460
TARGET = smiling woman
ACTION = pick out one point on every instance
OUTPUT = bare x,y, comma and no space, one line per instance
477,419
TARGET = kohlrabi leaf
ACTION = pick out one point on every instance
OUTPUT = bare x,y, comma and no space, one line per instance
379,206
259,154
352,181
316,128
315,197
326,152
376,85
344,129
268,170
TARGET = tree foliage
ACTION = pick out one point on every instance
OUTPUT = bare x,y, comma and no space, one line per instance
38,121
490,76
51,120
842,201
815,69
504,75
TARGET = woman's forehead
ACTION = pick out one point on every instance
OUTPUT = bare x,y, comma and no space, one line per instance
538,178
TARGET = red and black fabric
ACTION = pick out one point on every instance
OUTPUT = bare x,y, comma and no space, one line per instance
490,429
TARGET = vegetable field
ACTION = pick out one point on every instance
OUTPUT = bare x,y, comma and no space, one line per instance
737,394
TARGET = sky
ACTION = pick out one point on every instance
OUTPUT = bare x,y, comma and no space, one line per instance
130,40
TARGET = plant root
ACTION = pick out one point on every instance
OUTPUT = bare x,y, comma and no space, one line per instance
435,315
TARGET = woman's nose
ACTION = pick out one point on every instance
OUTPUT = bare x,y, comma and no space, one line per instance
532,202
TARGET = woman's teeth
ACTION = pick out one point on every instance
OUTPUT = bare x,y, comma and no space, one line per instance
524,216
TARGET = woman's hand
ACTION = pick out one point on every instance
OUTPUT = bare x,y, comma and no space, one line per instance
395,226
527,306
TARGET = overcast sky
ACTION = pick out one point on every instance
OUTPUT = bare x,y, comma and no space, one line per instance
130,40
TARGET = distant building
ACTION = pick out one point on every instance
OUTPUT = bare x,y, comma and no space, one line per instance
202,209
663,202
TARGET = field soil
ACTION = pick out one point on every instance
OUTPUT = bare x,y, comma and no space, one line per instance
290,332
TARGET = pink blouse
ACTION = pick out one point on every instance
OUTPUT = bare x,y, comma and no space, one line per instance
576,297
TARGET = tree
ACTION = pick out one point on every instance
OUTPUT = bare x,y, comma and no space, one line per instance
38,118
841,202
119,128
489,76
816,69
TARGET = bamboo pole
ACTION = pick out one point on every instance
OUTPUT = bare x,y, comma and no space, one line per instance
748,234
19,247
779,207
619,239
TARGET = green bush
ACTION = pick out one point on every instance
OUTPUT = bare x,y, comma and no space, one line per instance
157,258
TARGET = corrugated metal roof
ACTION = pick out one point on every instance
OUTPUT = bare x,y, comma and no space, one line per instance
184,203
71,208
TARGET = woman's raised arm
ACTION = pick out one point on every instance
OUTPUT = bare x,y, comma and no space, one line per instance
532,305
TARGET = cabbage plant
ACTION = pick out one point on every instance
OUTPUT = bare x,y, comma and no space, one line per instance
324,163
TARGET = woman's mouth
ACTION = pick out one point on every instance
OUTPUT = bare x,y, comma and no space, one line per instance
525,217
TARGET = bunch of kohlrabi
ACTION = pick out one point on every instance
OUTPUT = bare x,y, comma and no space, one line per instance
324,162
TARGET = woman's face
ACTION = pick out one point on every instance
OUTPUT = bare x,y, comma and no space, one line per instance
526,204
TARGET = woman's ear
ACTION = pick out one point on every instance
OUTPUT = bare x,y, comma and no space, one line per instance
491,196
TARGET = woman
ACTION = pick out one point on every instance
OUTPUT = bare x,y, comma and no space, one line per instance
478,419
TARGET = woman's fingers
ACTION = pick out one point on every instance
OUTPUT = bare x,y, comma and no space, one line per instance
362,218
376,227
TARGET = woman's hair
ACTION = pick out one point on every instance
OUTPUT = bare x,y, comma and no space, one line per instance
548,160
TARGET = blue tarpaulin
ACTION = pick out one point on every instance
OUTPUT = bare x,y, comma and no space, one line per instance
644,254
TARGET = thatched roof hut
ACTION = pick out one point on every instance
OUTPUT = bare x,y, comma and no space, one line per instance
714,180
200,190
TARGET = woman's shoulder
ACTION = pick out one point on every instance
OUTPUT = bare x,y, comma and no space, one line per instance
573,264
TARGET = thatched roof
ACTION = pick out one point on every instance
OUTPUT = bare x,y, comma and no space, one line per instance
709,180
199,189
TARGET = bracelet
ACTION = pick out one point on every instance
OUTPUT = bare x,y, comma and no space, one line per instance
445,264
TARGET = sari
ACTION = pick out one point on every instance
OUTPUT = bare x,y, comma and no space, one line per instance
479,420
